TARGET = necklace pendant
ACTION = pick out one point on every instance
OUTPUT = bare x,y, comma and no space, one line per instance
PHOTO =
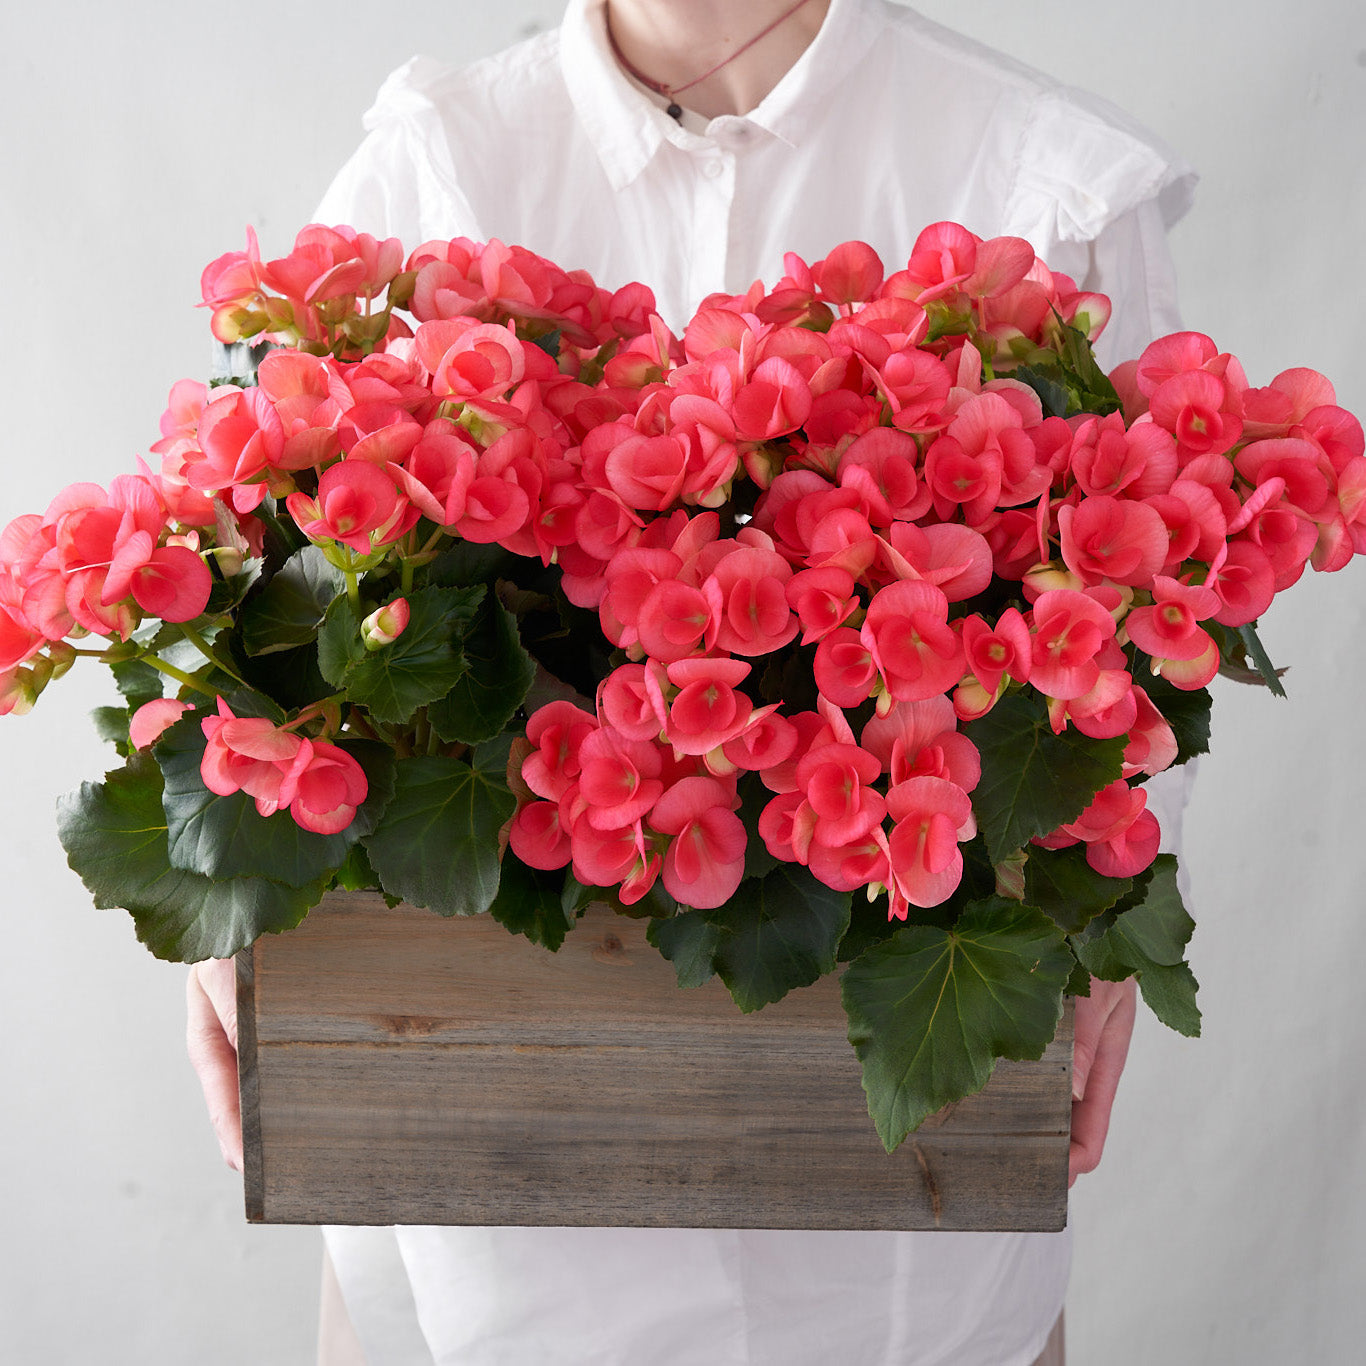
675,111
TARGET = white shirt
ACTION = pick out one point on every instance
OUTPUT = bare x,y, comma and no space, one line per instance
886,123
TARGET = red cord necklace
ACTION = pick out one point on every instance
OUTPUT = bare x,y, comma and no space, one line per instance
670,92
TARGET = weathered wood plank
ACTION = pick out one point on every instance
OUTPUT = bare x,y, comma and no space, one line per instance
415,1070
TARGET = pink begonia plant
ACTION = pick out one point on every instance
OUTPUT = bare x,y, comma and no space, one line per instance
855,464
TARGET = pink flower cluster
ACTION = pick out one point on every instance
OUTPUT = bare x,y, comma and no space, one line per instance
96,563
846,464
319,783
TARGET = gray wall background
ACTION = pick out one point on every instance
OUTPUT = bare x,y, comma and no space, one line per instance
137,140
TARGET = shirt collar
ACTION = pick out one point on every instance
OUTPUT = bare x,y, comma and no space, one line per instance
627,129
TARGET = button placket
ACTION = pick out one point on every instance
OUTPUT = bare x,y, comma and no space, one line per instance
714,195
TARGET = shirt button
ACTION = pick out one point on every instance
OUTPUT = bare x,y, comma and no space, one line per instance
711,169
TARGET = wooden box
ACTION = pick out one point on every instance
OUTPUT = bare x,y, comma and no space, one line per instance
401,1068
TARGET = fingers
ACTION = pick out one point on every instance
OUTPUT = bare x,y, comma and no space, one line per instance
1104,1024
211,1040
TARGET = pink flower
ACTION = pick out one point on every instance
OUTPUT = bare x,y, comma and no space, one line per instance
252,755
538,837
705,861
754,617
1120,834
774,402
932,816
470,360
1069,629
1182,651
619,779
845,668
385,624
851,273
146,725
557,732
240,437
708,711
907,633
836,780
171,581
356,504
328,791
1113,538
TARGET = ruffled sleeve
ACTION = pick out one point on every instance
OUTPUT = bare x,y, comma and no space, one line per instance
1082,164
400,182
1096,193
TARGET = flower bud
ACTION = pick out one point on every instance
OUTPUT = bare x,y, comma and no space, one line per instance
62,655
17,693
384,626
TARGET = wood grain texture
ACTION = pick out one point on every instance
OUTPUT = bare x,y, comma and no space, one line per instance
403,1068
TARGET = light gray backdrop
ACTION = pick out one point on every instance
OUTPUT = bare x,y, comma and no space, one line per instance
137,140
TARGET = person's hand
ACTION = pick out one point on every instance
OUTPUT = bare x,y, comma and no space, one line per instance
211,1038
1104,1022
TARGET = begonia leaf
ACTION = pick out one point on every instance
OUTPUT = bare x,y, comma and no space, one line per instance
225,837
1252,643
291,607
1051,391
111,725
500,673
1067,889
465,564
1033,780
137,682
1187,712
419,667
690,942
530,902
931,1010
437,842
753,798
1148,941
115,837
777,932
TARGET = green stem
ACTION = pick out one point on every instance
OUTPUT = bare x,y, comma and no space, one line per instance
180,676
206,650
353,592
405,583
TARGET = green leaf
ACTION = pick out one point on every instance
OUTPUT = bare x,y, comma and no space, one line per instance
225,837
1252,642
1095,393
1170,992
1052,394
114,834
111,725
931,1010
690,942
419,667
291,607
754,796
1066,888
137,682
466,564
1187,712
775,933
437,843
499,676
868,925
530,902
1148,941
1079,983
1032,780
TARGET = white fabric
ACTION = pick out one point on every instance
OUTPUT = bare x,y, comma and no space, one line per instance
885,124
